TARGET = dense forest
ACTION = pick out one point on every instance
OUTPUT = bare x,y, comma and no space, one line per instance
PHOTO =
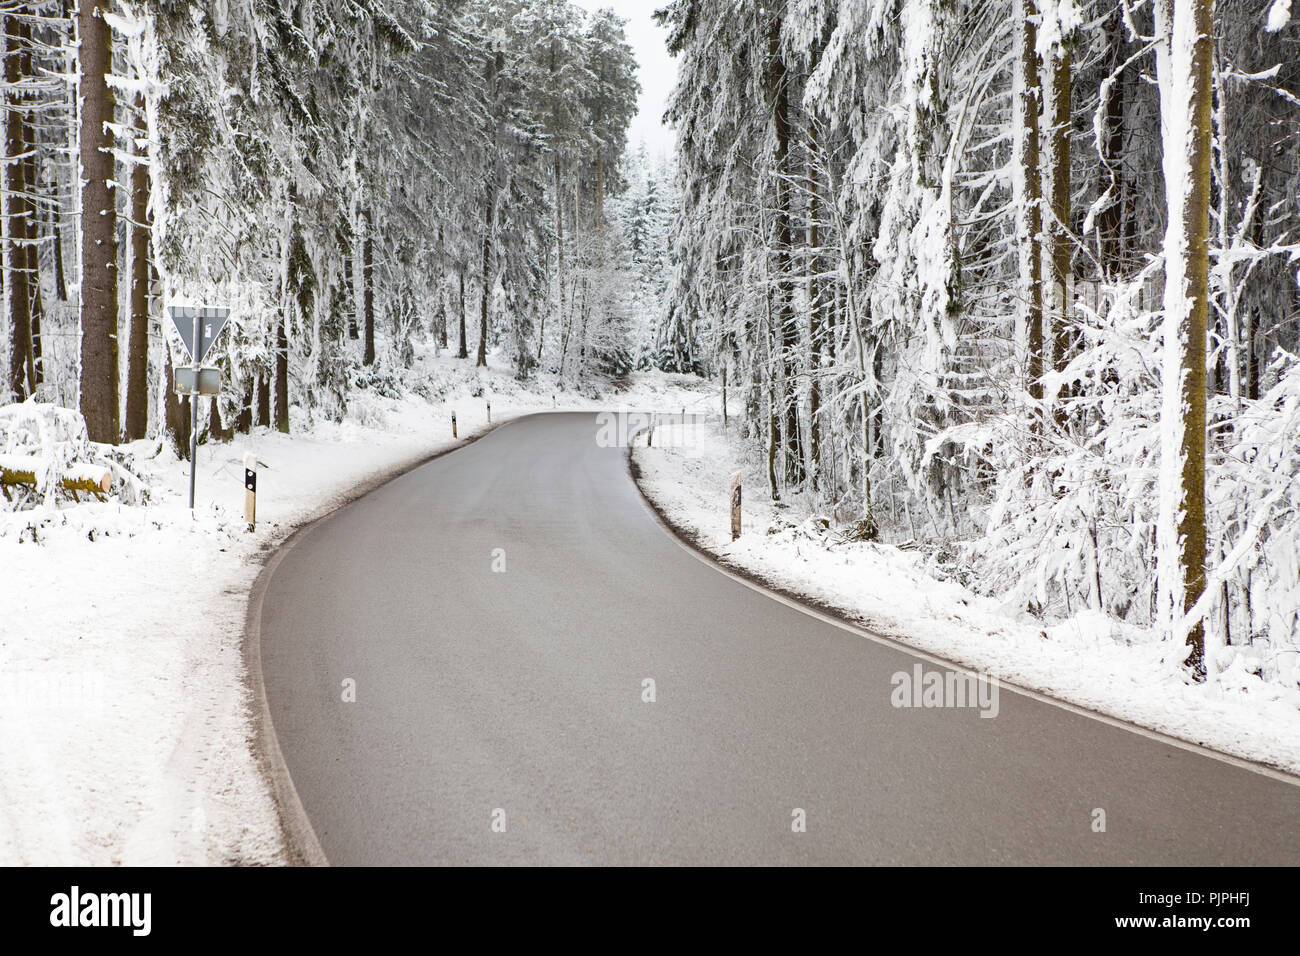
1018,276
349,177
1012,280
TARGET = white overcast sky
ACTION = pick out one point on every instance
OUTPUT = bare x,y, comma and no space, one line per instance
657,71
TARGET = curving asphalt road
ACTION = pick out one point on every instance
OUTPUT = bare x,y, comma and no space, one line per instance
522,691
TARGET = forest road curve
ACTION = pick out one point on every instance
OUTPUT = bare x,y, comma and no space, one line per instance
503,657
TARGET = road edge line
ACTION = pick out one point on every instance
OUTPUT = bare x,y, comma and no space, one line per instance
829,614
302,847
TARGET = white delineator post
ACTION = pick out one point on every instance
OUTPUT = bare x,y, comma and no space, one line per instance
250,489
735,506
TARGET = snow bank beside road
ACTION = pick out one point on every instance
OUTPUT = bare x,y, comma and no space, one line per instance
1090,660
125,728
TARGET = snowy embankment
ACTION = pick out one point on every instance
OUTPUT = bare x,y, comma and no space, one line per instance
125,727
1090,660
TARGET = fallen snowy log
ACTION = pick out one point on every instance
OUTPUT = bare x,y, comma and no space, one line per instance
44,453
34,471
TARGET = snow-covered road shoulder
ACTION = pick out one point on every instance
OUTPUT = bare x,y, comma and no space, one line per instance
126,717
1090,660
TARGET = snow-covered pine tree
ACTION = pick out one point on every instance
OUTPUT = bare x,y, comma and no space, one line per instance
990,271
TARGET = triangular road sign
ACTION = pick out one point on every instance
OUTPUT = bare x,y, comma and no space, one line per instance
211,321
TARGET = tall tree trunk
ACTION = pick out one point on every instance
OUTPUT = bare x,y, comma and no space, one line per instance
98,386
22,371
559,256
176,410
787,321
263,400
441,327
354,332
495,63
368,289
1110,224
1250,324
877,416
244,420
56,229
1030,204
216,430
462,351
1059,244
281,376
487,283
773,434
771,340
1228,308
815,343
31,177
442,313
1184,59
582,331
137,359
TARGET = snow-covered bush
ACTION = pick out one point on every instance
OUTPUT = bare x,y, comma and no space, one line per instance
380,378
48,445
367,410
1071,519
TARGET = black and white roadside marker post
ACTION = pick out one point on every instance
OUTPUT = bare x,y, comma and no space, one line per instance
489,405
453,424
198,327
250,490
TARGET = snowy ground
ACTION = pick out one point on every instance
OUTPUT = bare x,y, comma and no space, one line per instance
1090,660
125,728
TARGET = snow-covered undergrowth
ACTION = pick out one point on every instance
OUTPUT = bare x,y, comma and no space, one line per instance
125,727
45,456
1089,658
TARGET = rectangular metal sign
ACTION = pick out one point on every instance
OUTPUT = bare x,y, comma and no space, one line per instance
203,381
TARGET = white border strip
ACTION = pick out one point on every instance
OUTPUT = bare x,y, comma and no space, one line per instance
708,558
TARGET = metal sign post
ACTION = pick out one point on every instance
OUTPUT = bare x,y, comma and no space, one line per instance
194,415
198,327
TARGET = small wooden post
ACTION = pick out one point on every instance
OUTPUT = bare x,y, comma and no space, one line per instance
250,490
735,506
453,424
